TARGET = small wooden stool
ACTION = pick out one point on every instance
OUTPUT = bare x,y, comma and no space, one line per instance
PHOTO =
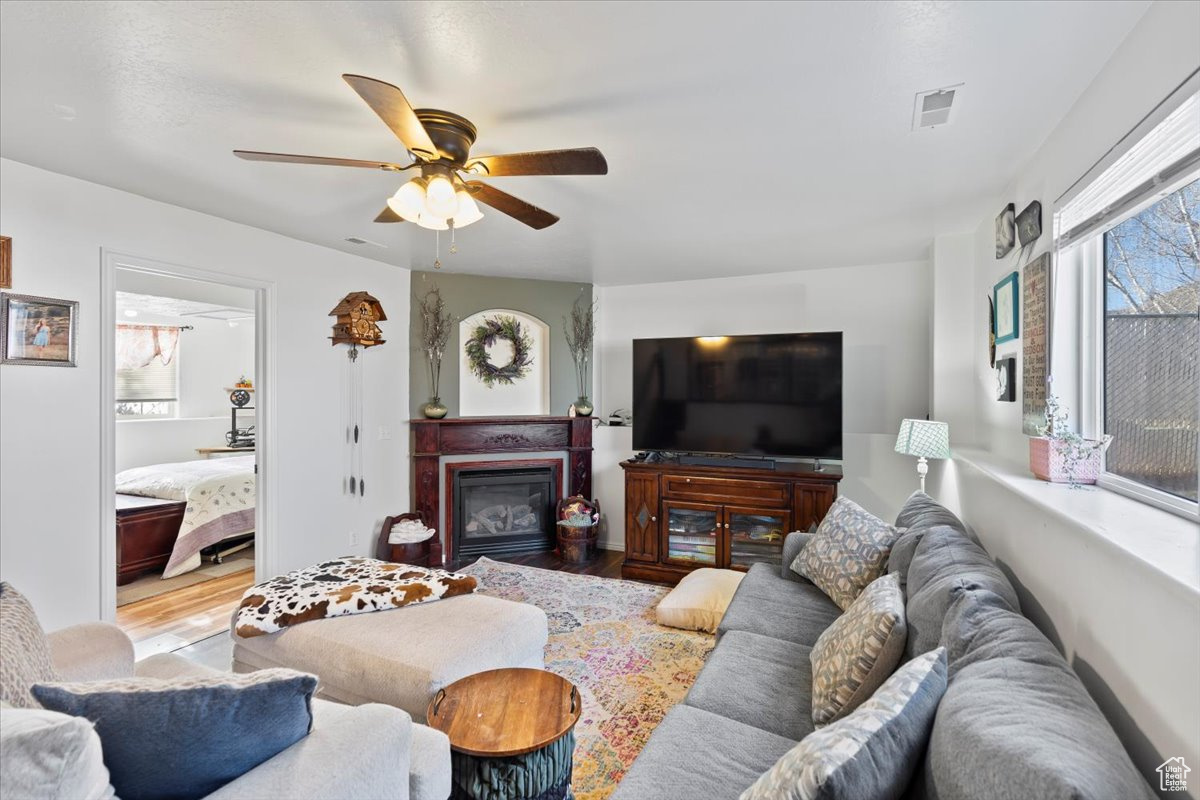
420,554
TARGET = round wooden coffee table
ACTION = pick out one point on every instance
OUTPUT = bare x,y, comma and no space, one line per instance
511,733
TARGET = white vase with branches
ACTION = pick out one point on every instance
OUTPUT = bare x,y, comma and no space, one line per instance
436,325
580,333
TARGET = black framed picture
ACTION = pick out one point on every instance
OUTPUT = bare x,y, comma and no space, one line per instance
1006,232
1029,223
39,331
1006,380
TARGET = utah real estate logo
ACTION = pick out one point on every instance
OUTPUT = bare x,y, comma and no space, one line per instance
1172,775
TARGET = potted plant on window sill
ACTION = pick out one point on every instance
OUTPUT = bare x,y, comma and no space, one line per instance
1060,455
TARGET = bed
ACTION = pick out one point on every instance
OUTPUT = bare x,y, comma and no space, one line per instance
168,513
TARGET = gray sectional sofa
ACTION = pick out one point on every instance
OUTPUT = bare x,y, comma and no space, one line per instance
1015,721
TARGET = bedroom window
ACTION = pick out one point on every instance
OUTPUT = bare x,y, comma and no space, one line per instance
1129,245
147,383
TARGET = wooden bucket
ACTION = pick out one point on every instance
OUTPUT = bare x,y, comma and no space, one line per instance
577,544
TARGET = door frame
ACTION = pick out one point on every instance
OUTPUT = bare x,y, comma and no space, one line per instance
265,517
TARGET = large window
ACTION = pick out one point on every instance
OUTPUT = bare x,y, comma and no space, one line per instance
1128,249
1152,344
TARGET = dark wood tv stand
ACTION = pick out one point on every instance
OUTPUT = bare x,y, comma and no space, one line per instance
679,518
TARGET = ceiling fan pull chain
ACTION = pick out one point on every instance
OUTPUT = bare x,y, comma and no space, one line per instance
453,246
437,252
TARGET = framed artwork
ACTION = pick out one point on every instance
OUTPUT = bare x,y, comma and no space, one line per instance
1035,344
991,332
1008,313
1029,223
1006,231
5,262
39,331
1006,380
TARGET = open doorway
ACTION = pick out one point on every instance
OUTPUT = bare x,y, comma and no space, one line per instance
182,394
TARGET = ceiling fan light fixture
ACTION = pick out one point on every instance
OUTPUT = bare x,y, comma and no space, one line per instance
431,223
468,210
440,199
409,200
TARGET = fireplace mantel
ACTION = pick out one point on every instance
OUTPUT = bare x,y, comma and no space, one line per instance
434,438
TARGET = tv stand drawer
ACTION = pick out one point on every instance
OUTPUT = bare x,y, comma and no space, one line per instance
706,488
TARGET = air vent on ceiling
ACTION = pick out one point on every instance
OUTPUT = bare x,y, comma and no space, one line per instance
933,108
359,240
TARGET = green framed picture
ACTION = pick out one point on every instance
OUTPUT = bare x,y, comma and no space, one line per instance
1008,313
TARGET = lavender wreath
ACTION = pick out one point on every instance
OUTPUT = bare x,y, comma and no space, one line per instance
484,336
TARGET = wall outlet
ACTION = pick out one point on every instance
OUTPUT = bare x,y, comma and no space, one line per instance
354,538
385,434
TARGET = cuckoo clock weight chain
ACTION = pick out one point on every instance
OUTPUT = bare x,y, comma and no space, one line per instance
357,316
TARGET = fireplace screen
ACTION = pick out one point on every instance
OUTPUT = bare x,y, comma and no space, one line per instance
503,510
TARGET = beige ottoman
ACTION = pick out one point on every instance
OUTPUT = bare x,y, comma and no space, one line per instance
403,656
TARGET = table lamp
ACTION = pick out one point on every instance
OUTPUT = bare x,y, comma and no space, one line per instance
925,439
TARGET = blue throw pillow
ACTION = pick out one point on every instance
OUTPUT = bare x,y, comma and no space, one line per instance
188,737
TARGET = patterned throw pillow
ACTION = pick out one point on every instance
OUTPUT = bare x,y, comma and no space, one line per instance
850,550
870,753
185,738
24,651
858,652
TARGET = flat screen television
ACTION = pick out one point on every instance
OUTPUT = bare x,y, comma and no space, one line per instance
770,395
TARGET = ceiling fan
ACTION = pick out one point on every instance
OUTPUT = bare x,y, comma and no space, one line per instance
440,144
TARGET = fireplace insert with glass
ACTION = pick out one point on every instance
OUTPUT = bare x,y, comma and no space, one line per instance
503,511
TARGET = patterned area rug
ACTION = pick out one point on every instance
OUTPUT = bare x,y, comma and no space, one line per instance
603,638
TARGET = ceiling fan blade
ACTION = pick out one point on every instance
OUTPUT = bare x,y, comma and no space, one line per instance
515,207
387,215
579,161
393,108
288,158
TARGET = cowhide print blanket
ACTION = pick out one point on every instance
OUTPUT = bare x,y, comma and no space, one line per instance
340,587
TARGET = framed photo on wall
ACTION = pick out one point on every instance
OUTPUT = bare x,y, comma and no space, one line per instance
5,262
39,331
1007,298
1006,230
1006,380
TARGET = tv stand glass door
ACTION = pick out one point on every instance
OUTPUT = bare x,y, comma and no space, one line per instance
691,533
755,535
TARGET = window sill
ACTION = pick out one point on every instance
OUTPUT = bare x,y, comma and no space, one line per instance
121,420
1166,542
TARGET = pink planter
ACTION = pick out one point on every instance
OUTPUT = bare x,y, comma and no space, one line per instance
1048,461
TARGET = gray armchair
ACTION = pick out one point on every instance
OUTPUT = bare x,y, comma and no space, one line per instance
369,751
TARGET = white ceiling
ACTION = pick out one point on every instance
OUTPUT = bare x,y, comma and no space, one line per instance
741,138
174,307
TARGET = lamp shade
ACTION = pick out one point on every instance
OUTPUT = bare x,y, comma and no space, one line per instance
923,437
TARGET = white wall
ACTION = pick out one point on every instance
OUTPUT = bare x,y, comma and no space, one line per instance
211,356
883,311
50,419
1132,633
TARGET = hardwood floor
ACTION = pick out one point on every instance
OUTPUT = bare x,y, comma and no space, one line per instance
170,621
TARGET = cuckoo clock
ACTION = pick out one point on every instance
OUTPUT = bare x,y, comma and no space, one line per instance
357,316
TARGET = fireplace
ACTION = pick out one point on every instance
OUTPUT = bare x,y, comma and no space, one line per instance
503,510
561,444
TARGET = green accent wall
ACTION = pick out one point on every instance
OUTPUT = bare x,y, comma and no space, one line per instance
465,295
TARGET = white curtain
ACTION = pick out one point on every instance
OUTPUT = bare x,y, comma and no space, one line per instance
138,345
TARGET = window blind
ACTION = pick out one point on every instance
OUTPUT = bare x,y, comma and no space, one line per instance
1168,153
155,382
